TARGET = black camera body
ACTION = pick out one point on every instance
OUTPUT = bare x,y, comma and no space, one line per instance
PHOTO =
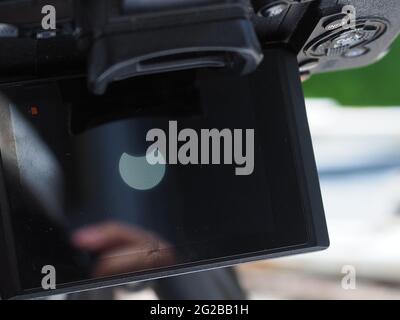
111,40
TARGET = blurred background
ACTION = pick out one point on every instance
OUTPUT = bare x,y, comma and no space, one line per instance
355,124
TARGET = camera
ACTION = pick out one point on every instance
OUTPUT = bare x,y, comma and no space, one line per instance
149,138
111,40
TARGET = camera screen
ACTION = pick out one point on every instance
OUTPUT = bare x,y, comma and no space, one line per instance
89,196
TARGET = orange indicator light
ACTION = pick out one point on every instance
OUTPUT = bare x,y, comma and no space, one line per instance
34,111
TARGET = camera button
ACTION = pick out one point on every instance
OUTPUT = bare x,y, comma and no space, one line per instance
356,52
335,22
